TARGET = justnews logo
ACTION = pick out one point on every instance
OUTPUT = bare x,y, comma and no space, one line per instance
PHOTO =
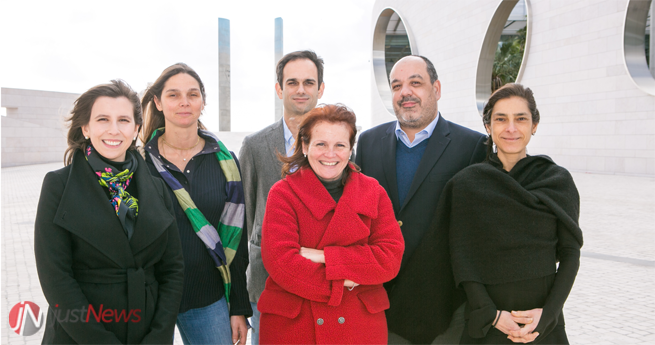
100,314
26,318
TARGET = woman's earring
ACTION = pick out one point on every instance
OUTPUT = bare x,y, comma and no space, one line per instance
305,155
86,138
495,148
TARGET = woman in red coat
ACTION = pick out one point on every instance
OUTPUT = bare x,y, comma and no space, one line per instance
329,241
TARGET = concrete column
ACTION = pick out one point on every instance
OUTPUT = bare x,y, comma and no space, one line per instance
652,38
279,52
224,121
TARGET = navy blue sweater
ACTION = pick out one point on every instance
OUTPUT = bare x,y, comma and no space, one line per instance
407,161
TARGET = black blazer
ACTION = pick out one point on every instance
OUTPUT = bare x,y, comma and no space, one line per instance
83,258
450,149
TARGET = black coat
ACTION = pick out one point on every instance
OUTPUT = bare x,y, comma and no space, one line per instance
84,259
450,149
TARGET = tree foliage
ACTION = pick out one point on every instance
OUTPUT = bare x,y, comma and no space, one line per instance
507,61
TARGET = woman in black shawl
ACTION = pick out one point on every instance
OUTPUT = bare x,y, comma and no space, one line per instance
511,220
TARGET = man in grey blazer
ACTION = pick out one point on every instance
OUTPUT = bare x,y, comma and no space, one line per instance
300,86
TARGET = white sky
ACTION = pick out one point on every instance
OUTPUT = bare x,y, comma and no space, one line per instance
70,46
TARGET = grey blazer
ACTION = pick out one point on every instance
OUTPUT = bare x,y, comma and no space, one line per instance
260,169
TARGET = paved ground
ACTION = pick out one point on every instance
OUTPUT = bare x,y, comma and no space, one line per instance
612,302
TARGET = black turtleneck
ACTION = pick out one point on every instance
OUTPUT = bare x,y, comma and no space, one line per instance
334,187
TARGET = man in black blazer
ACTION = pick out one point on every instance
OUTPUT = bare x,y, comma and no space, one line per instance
413,158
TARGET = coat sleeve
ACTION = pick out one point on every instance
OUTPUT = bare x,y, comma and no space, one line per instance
483,310
375,262
480,151
169,272
360,149
54,263
249,181
239,299
568,253
281,251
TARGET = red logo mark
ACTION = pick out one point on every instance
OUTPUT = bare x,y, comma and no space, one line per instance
26,318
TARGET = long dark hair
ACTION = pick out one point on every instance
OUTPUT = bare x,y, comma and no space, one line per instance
81,113
507,91
332,113
154,117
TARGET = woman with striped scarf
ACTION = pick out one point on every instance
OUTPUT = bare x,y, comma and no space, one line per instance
205,183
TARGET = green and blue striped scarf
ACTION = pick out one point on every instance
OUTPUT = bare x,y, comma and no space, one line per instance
221,242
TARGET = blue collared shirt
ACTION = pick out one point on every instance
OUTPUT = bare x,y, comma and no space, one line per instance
419,137
289,140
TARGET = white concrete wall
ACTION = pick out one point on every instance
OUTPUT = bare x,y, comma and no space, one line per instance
33,131
593,117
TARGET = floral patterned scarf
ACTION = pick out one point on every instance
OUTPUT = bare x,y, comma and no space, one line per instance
126,206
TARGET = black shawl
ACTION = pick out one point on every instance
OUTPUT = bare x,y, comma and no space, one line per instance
425,295
503,225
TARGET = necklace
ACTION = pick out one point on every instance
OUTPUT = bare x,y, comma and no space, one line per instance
181,149
177,148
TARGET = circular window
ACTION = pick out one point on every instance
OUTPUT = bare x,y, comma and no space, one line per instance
504,49
636,47
392,41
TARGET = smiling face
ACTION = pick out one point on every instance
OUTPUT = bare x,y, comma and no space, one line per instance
111,127
181,101
511,127
328,149
300,91
414,96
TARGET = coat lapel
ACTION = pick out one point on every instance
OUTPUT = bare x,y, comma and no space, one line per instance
153,218
436,145
86,212
312,193
345,226
276,135
388,159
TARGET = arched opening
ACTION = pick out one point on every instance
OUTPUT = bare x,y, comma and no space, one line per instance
637,44
392,41
504,49
396,42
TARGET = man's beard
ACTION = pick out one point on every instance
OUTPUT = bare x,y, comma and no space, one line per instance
422,119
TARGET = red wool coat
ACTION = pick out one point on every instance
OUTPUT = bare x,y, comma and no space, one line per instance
306,302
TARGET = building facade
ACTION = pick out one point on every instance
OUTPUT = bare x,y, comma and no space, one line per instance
597,109
34,130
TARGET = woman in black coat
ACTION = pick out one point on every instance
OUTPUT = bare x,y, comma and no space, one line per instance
107,248
513,231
